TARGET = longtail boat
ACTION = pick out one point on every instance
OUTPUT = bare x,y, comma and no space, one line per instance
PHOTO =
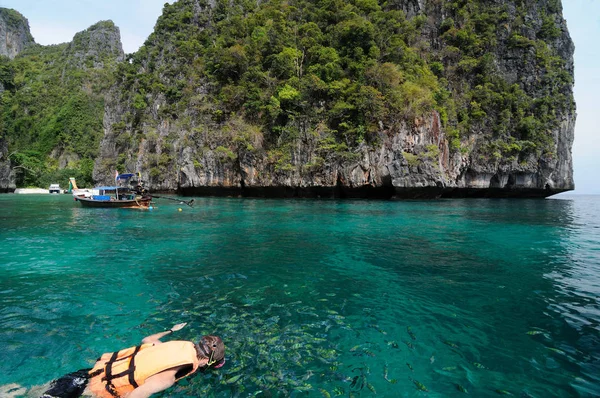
116,196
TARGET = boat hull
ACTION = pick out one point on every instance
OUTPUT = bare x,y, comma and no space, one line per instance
141,203
81,192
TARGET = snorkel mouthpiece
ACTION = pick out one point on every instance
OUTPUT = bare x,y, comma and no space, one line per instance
219,364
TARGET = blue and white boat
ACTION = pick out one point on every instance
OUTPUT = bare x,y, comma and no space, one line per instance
117,196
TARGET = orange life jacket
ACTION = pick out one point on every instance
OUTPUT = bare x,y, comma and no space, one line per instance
116,374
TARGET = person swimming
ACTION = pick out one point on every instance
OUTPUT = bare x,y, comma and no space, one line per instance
143,370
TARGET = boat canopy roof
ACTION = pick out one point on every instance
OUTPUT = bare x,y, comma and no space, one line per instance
125,176
107,188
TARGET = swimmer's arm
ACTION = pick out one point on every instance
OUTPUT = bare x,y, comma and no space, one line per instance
155,338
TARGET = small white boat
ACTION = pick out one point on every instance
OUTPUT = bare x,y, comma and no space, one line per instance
55,188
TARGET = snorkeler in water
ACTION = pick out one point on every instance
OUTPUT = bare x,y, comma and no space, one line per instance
143,370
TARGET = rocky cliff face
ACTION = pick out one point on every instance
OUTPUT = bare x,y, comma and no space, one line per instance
53,116
96,45
194,152
14,37
553,171
14,33
6,179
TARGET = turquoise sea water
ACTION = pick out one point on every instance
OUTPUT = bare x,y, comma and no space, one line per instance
312,297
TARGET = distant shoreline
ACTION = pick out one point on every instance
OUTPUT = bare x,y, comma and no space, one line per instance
337,192
33,191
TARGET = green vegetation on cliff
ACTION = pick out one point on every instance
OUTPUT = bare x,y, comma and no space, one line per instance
344,73
350,71
52,110
14,19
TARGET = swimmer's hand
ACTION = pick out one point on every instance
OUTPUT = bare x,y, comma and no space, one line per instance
179,326
155,338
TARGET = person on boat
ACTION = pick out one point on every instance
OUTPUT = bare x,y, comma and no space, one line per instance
139,372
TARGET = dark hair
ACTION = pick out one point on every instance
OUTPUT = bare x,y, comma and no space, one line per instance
212,348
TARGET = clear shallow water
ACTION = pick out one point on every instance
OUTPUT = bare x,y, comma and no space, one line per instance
312,298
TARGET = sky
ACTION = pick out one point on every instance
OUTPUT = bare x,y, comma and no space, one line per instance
57,21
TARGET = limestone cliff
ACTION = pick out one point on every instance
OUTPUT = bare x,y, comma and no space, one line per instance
94,46
6,178
14,37
410,98
502,127
53,106
14,33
